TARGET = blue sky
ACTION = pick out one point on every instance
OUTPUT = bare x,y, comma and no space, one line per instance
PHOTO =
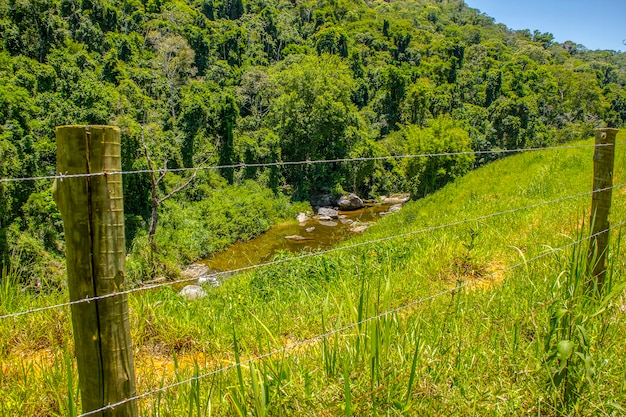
599,24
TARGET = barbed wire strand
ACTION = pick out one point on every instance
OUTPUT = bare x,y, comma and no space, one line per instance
216,275
61,176
497,325
313,339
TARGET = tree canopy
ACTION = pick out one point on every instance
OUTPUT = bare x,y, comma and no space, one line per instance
231,81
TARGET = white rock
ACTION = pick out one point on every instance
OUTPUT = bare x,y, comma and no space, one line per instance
192,292
327,211
302,218
209,279
395,199
295,237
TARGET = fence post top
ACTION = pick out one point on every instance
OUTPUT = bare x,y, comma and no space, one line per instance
607,130
87,127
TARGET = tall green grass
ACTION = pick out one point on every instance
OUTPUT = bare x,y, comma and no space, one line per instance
498,346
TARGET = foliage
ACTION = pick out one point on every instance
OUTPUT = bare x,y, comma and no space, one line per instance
314,119
577,331
194,230
232,81
426,174
405,330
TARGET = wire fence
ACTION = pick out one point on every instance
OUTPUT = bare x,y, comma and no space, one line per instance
222,274
314,339
311,340
351,326
61,176
492,328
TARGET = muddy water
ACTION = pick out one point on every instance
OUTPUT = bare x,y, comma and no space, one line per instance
264,247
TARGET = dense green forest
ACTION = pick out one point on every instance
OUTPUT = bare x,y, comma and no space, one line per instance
219,82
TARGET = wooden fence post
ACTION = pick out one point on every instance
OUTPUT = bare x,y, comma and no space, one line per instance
603,161
93,216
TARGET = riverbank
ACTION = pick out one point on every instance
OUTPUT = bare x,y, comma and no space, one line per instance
314,234
308,232
193,230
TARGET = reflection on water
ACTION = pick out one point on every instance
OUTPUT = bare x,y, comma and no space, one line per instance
263,248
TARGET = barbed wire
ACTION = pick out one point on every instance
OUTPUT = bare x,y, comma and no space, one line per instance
322,336
498,325
220,274
61,176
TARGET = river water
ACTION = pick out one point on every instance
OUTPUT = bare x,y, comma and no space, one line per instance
263,248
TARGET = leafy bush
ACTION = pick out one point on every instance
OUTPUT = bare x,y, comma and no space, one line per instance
425,175
189,231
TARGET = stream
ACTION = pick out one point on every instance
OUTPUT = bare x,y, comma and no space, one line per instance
325,236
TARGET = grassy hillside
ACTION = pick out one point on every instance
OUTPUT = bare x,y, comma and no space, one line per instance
486,317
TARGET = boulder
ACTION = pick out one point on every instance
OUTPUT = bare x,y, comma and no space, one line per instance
302,218
310,229
329,224
202,273
192,292
295,237
350,202
395,208
327,211
395,199
360,228
323,200
325,218
195,271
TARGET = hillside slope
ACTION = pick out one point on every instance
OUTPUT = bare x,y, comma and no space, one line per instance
483,318
481,347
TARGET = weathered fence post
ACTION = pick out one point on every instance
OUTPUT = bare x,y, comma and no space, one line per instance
93,216
603,160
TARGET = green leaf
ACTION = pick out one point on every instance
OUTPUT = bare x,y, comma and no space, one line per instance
564,350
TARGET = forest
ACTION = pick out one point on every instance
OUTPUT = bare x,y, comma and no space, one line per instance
198,83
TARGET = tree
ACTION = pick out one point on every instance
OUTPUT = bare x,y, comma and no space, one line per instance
426,175
226,117
231,9
390,96
616,112
261,147
157,198
331,40
417,102
175,61
229,42
579,93
314,119
510,119
544,39
10,165
254,93
35,28
198,117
